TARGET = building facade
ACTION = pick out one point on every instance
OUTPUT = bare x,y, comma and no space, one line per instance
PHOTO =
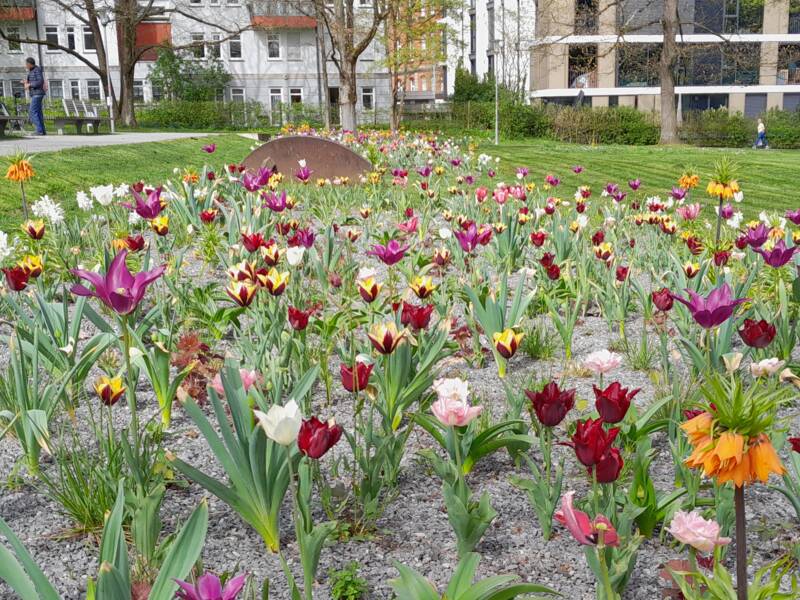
738,54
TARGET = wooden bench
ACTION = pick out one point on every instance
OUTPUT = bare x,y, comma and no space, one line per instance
78,117
7,118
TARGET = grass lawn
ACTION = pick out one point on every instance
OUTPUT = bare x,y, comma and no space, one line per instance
61,174
768,177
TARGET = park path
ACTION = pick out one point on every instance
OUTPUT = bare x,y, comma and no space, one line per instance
54,143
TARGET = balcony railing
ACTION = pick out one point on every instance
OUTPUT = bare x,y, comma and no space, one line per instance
280,8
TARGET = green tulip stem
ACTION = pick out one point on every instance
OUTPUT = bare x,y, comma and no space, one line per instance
131,391
601,555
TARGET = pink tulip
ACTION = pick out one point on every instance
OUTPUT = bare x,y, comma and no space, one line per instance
249,379
692,529
452,404
583,529
602,362
689,212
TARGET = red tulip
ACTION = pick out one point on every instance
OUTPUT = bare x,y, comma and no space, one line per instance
16,278
135,243
622,273
591,441
613,402
356,379
208,216
609,466
795,443
416,317
298,318
662,299
551,404
547,259
316,438
585,531
253,241
538,238
757,334
553,272
598,238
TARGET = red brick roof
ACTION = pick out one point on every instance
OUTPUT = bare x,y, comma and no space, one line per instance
283,22
17,14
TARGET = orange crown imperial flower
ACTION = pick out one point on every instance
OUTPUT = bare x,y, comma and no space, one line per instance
20,169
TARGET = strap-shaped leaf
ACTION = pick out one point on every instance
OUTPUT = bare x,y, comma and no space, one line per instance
20,571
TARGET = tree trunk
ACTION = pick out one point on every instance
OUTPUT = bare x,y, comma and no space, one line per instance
666,73
348,96
126,107
322,48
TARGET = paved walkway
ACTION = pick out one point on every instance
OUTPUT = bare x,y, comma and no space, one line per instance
53,143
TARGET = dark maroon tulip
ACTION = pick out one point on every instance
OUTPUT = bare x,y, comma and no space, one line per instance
591,441
609,466
298,318
598,237
721,257
551,404
538,238
662,299
553,272
795,443
316,438
253,241
622,273
757,334
357,379
547,259
613,402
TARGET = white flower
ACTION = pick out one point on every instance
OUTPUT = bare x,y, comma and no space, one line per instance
133,218
732,361
366,273
5,248
738,196
46,208
281,423
122,191
84,201
189,229
445,233
602,361
302,163
452,389
582,221
609,222
768,366
294,256
736,220
104,194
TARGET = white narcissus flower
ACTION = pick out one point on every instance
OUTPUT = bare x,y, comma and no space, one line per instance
133,218
5,248
766,367
281,423
104,194
122,191
294,256
84,201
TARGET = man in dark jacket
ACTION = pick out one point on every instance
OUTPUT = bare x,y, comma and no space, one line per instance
35,85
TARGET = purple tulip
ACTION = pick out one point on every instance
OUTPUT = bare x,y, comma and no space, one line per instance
253,182
713,310
619,196
635,184
756,236
779,255
456,162
274,202
793,216
425,171
209,587
303,174
577,169
210,148
522,171
148,209
118,289
678,193
552,180
611,188
468,239
726,212
389,254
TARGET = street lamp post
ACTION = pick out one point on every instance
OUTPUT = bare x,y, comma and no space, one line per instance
104,13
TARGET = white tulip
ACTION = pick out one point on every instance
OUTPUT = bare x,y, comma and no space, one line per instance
294,256
281,423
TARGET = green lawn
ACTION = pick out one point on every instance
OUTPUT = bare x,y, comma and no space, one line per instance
61,174
768,177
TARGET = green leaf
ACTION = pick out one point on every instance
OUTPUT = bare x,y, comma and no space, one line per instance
411,585
44,589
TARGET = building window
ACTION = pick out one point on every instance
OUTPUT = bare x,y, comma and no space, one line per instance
93,89
75,89
582,70
275,102
55,88
13,32
694,102
213,2
88,40
195,2
368,98
156,92
215,48
273,46
294,45
586,17
17,88
71,38
138,90
637,65
51,37
233,2
295,95
198,45
235,47
237,94
788,64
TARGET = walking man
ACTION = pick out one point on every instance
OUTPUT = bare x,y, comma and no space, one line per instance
37,88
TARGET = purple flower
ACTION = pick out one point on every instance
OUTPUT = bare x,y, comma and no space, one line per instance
491,173
634,184
793,216
612,188
713,310
389,254
425,171
468,239
209,587
456,162
253,182
552,180
678,193
727,211
577,169
779,255
756,236
522,172
274,202
303,174
619,196
210,148
148,209
118,288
